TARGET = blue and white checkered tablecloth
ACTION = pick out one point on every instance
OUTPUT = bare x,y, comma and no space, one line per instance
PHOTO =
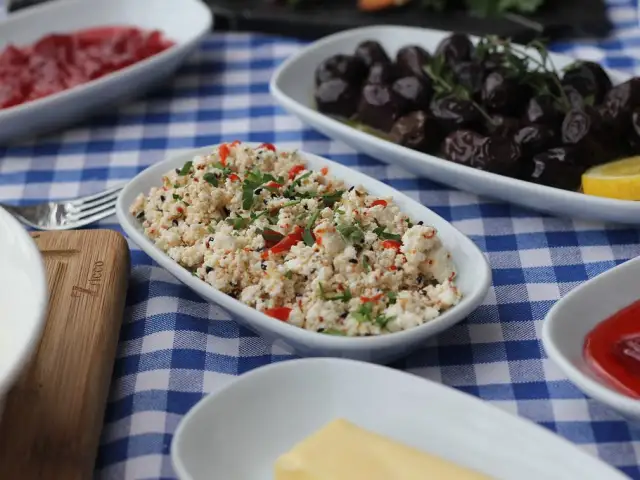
174,348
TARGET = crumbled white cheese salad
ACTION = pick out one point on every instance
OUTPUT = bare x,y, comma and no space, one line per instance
298,244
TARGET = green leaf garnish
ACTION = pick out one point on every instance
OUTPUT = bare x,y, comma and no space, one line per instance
288,274
177,197
307,235
211,179
344,296
382,320
385,235
363,314
351,234
331,198
186,168
290,190
365,264
392,296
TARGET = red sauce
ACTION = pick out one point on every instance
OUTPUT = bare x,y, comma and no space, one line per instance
612,350
61,61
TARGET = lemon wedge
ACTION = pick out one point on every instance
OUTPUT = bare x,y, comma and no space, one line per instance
619,179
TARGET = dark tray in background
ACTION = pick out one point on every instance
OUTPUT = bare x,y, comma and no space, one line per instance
559,19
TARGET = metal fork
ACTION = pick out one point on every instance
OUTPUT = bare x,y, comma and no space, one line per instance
67,214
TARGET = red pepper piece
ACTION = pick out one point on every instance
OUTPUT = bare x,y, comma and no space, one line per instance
295,170
392,244
324,170
235,142
375,298
268,146
281,313
274,185
379,202
223,152
233,177
286,243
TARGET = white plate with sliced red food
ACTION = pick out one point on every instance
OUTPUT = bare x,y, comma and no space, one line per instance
64,60
513,123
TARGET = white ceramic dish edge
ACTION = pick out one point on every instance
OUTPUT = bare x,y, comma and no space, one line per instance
474,278
430,416
569,321
186,25
26,298
292,87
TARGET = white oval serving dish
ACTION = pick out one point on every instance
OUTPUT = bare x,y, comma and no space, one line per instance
292,86
240,431
23,299
185,22
575,315
473,273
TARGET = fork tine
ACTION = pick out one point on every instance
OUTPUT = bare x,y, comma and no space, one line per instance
94,218
89,198
94,203
81,215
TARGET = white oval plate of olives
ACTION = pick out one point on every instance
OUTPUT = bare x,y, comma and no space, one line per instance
511,122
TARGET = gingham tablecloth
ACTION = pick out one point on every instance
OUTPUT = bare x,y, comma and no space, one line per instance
174,348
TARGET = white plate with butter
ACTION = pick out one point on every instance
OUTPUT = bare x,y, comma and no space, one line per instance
260,420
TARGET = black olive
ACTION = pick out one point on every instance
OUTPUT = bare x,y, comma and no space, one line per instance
589,79
412,94
543,109
263,266
379,107
178,171
453,113
501,125
353,260
620,101
462,146
470,75
174,223
534,139
420,222
499,155
634,136
162,198
336,97
584,129
370,52
345,67
576,100
412,59
419,279
558,167
504,95
208,269
455,48
417,130
382,74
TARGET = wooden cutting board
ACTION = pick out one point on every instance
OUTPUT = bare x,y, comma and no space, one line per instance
51,424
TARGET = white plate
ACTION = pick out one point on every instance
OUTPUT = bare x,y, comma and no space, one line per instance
473,273
574,316
184,21
239,432
292,86
23,299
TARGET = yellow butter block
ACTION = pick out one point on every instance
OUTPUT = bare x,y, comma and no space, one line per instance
344,451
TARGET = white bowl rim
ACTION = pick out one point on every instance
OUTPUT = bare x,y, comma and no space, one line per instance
24,351
282,328
42,9
592,387
442,163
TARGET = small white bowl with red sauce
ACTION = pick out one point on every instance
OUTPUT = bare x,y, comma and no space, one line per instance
65,60
593,335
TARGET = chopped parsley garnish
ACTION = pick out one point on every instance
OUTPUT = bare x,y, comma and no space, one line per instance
331,198
225,170
243,222
290,190
392,296
255,179
385,235
333,331
186,168
365,264
409,223
344,296
339,211
211,179
288,274
382,320
351,233
363,314
177,197
307,235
